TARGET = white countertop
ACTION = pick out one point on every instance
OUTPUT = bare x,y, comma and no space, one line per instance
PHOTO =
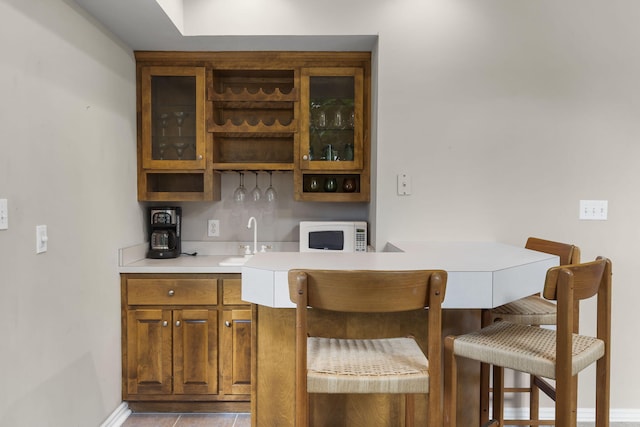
209,254
480,274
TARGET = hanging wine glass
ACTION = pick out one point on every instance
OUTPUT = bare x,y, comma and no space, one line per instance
256,193
240,195
270,196
270,193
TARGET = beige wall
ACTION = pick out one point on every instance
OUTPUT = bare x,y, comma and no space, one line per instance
67,160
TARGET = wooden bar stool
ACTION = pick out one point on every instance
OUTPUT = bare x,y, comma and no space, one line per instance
531,310
555,354
372,365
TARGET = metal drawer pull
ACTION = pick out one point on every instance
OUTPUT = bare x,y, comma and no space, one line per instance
171,292
227,324
165,323
178,323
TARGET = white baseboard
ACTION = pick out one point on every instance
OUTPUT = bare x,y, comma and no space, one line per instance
118,416
584,414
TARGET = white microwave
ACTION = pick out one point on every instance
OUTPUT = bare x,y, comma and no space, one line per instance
338,236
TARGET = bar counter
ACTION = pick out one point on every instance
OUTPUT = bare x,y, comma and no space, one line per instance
481,275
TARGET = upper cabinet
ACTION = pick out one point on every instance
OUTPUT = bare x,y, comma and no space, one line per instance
333,153
205,113
173,117
331,124
172,133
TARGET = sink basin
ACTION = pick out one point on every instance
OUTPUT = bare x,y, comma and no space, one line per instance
234,261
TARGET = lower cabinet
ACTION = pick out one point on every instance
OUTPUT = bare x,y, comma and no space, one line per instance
186,343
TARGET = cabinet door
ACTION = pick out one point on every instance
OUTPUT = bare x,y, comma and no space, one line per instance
236,351
173,117
331,116
195,336
149,368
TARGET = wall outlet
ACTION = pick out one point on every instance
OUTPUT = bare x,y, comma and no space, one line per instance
213,228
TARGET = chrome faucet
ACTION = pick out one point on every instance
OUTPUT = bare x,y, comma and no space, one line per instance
255,233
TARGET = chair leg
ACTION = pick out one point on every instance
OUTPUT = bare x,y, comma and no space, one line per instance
603,388
498,395
486,320
534,400
450,384
409,410
566,415
485,371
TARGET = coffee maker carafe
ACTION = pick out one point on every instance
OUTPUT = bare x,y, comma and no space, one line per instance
164,232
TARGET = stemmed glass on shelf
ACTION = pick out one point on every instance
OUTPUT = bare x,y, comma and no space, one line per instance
180,116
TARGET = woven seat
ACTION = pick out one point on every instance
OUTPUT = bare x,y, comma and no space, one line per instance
345,364
531,310
394,365
555,354
525,349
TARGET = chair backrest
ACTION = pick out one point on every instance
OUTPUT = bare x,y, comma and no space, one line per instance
569,254
367,291
569,284
357,292
582,280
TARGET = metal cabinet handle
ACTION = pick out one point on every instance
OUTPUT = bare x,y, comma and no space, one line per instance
200,157
171,292
305,157
165,323
178,323
227,323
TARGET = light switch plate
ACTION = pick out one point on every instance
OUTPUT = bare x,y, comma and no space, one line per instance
41,238
4,214
594,209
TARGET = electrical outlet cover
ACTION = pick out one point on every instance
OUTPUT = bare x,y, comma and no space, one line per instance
213,228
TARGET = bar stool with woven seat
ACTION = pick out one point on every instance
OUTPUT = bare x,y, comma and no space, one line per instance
383,365
555,354
531,310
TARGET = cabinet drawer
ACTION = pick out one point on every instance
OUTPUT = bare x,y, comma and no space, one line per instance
172,292
231,292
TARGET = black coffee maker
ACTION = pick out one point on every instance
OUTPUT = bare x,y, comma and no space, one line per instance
164,232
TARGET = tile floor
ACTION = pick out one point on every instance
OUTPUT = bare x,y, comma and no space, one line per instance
187,420
226,420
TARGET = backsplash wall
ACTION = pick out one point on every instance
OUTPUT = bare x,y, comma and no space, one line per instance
280,226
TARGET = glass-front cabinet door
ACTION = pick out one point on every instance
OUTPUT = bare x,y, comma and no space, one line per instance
331,137
173,117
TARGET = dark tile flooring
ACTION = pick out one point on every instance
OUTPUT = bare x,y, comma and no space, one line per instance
187,420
